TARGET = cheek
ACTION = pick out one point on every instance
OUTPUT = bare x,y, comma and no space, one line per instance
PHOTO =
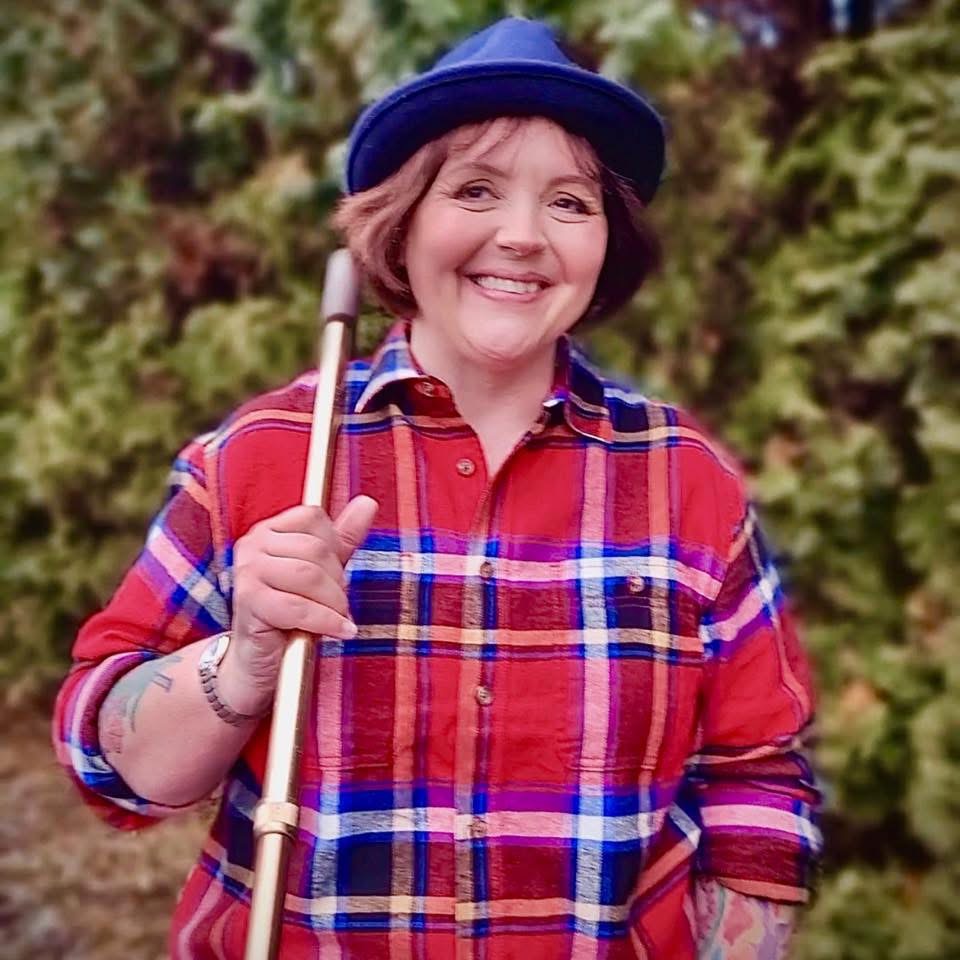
584,255
437,243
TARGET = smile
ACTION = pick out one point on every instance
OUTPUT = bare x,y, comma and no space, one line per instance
506,285
509,288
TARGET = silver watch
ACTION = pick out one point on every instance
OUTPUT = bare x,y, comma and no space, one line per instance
208,664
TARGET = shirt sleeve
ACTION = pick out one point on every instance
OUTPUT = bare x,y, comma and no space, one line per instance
174,594
750,787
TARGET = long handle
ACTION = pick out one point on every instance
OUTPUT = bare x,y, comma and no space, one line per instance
276,816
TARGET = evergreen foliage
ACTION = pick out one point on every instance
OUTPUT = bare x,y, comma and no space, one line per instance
165,179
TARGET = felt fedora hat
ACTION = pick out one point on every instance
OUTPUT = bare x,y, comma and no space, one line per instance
513,68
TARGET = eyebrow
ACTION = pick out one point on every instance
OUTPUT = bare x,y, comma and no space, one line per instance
495,171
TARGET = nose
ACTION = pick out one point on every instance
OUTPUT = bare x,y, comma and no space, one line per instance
520,231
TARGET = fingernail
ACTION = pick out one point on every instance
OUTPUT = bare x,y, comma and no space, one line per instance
349,630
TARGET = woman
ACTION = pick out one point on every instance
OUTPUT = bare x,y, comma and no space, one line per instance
558,696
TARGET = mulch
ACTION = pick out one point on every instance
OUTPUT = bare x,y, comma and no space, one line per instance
72,888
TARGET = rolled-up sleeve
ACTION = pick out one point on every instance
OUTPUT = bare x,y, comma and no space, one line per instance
750,787
174,594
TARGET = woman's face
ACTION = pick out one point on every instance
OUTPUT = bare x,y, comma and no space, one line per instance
504,250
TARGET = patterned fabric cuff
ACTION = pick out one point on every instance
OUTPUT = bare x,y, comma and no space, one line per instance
78,748
760,858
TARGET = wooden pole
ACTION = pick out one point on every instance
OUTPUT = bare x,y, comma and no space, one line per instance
277,813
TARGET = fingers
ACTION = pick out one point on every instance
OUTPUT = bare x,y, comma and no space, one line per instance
344,536
288,611
301,519
276,594
289,571
353,524
302,578
306,548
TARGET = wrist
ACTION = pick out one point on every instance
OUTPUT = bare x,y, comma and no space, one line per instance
228,688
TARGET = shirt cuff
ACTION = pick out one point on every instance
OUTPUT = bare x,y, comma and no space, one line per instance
759,845
76,739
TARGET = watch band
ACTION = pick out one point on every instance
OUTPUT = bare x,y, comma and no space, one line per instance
207,665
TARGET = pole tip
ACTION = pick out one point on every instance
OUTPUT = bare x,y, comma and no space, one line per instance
341,286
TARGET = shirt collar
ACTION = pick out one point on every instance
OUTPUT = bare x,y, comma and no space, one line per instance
577,393
392,363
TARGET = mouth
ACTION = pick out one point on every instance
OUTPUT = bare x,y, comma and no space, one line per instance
522,288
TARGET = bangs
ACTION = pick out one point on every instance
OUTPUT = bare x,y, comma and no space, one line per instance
487,135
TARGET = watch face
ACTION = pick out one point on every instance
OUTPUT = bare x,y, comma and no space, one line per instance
215,652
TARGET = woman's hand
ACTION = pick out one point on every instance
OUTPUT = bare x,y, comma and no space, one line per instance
288,575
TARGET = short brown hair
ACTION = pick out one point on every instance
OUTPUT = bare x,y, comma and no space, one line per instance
375,222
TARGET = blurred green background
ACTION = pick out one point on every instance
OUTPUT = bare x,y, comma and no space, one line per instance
166,172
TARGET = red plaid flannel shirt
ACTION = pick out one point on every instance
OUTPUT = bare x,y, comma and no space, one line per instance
575,684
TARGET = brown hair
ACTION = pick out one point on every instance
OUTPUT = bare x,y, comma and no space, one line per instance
375,222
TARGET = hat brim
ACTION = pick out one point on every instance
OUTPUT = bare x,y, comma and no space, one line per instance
622,127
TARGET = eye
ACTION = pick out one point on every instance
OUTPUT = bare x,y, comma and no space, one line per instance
474,191
571,204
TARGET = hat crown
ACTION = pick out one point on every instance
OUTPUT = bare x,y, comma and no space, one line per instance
513,38
514,68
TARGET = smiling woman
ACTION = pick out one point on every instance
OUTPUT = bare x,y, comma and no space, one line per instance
558,695
503,253
375,221
495,240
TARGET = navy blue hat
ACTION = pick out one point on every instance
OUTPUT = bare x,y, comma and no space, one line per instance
512,68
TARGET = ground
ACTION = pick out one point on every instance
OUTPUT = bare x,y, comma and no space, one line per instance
72,888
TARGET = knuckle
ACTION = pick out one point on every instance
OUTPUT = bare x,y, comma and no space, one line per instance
255,534
243,583
250,548
298,611
303,571
349,538
241,550
261,604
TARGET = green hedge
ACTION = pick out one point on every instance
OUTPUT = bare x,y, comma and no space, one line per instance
165,178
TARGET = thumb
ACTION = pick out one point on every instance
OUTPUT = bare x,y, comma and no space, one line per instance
353,524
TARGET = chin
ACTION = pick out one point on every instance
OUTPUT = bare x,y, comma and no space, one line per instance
504,345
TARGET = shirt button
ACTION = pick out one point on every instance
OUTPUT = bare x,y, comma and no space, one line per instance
636,583
427,388
486,570
484,696
478,828
466,467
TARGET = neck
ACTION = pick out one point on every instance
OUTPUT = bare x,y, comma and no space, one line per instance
500,404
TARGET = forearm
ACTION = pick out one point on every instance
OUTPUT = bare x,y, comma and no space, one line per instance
159,732
734,926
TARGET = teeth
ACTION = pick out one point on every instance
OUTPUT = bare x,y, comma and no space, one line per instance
507,286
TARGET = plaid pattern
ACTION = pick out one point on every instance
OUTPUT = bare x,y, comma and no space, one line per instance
575,685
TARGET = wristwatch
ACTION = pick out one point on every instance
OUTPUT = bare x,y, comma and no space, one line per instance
208,664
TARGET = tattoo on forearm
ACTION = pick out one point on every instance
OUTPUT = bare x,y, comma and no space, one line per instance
119,710
734,926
